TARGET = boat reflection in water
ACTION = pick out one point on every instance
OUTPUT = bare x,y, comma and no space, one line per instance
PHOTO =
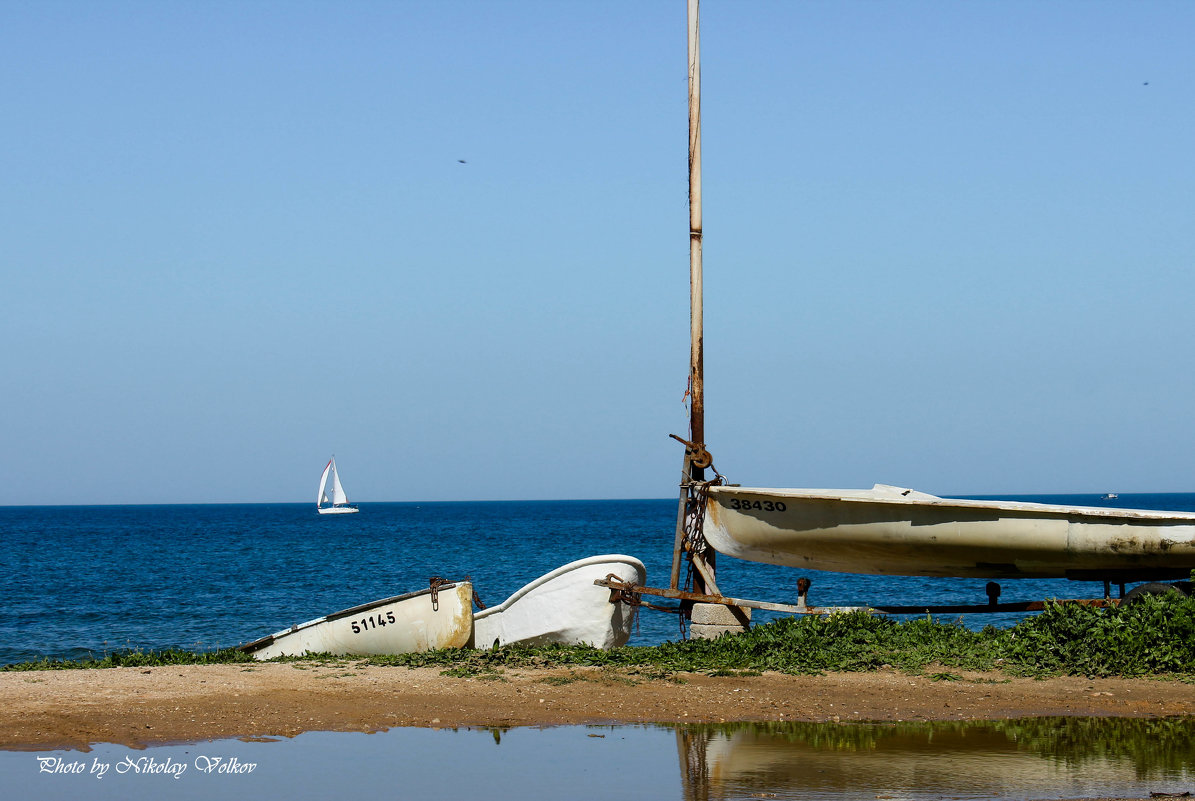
1025,758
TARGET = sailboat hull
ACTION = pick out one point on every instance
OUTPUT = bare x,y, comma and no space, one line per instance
337,510
894,531
403,624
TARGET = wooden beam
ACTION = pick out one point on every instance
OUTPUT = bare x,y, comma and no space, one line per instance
802,609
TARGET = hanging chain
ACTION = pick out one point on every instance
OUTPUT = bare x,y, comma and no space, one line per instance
436,583
696,500
695,503
476,598
623,592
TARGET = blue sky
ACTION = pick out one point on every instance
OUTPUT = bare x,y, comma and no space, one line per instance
948,246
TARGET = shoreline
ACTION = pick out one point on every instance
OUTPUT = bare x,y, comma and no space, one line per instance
140,707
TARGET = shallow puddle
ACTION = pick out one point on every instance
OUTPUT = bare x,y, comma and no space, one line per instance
1043,758
1027,758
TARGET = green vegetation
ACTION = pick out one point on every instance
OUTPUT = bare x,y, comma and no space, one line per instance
1155,637
137,658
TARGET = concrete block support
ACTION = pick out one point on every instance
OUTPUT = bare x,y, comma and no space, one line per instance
713,620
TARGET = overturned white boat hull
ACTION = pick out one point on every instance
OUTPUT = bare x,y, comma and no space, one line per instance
419,621
894,531
564,606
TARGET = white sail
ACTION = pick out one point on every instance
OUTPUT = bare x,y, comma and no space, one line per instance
321,497
338,496
331,491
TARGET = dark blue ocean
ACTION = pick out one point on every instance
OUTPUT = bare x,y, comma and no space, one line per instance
88,580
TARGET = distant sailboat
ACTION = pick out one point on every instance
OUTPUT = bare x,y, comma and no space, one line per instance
332,493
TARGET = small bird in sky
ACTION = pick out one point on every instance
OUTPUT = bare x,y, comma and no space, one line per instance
461,161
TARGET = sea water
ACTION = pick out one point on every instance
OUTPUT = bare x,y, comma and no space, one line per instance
81,581
1038,758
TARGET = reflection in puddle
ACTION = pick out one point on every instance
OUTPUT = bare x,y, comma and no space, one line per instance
1038,758
1027,758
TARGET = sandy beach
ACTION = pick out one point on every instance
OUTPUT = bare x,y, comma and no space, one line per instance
146,706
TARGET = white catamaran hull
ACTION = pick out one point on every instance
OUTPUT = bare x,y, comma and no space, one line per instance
894,531
399,625
564,606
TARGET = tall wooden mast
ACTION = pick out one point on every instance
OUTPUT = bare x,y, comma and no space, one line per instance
696,357
691,506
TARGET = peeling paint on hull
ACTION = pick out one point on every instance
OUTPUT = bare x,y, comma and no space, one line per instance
403,624
893,531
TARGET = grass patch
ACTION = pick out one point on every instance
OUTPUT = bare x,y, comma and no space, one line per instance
459,673
944,676
735,673
559,681
1155,637
138,658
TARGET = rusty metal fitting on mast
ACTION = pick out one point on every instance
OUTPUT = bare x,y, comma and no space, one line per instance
699,457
